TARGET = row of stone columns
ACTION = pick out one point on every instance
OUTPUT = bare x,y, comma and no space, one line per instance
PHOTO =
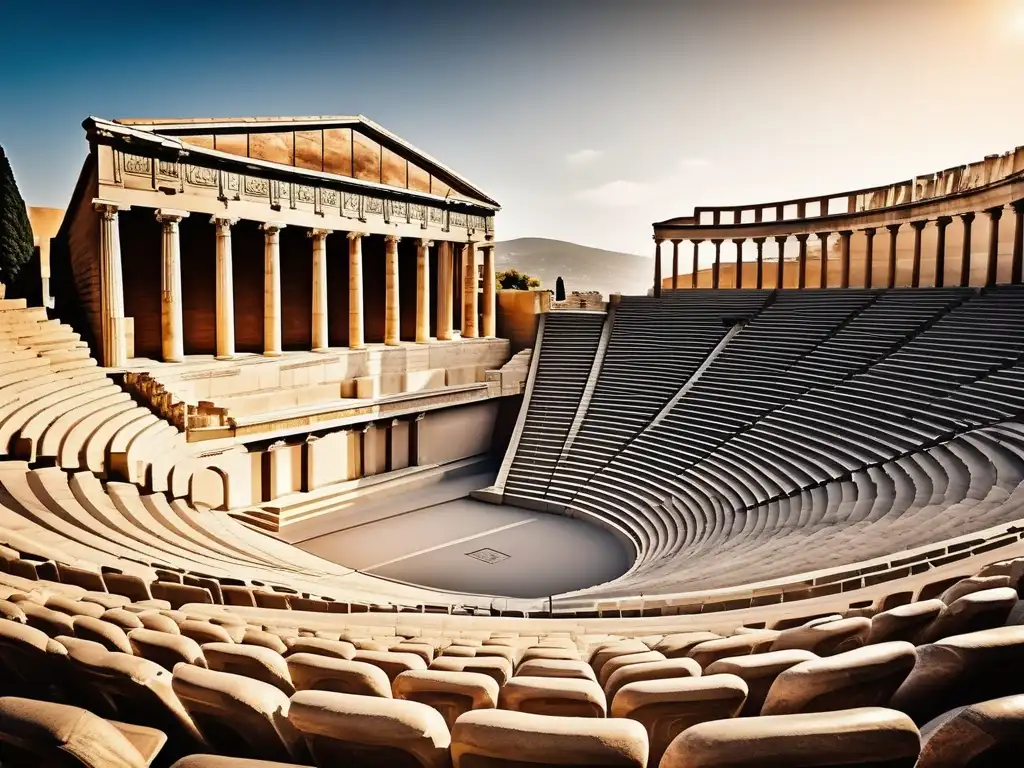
994,214
172,330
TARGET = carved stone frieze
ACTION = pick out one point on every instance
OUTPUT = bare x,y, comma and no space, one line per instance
304,194
200,176
257,186
168,169
351,202
456,219
374,205
139,166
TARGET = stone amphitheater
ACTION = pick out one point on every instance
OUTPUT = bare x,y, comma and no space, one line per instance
774,507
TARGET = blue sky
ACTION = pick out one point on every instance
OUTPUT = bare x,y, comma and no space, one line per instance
586,119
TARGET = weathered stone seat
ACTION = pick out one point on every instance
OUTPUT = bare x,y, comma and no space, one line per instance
450,693
649,670
987,733
556,668
511,739
826,638
250,661
237,715
498,668
165,649
973,612
869,738
338,649
712,650
393,664
905,622
863,677
618,662
111,636
342,729
311,671
668,707
560,696
759,673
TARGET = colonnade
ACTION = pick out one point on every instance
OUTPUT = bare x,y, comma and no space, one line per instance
114,352
916,226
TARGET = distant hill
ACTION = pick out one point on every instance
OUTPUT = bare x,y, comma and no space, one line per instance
582,268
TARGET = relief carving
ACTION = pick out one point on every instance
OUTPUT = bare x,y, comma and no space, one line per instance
257,186
304,194
457,219
417,212
476,222
141,166
436,215
399,209
167,168
351,202
374,205
201,177
284,189
329,197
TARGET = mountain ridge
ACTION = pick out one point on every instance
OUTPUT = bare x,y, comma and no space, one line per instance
582,267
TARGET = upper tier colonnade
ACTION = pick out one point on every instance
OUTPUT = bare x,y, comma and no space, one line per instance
920,210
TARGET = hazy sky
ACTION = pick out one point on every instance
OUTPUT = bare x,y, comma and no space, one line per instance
586,119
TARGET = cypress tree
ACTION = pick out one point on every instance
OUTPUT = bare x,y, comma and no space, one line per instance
559,289
16,246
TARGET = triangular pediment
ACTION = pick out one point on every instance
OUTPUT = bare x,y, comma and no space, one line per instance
345,146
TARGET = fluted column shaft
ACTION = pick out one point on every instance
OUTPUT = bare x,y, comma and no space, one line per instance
272,289
738,282
780,269
823,278
489,317
965,252
940,250
115,348
356,326
423,290
319,319
657,269
1017,266
445,289
392,309
844,258
894,233
675,265
225,298
915,274
802,261
992,268
171,325
869,256
759,242
469,292
716,268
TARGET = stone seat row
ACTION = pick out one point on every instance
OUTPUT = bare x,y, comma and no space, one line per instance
243,675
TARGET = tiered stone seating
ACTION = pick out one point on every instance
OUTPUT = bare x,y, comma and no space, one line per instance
294,687
570,341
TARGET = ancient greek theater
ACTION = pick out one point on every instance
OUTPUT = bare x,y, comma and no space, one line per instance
303,465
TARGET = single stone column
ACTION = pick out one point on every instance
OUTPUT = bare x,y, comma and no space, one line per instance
801,261
355,290
675,265
319,288
940,249
225,289
780,269
869,256
992,270
423,290
657,269
693,270
717,266
445,277
469,292
823,280
1017,266
171,325
844,258
490,320
894,231
759,242
392,310
115,348
272,288
915,274
738,282
965,253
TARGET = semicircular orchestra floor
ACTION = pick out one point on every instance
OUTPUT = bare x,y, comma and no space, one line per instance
466,545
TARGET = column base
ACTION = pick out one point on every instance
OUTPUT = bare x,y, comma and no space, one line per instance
272,354
321,349
224,357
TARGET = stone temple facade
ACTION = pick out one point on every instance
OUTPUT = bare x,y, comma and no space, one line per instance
223,236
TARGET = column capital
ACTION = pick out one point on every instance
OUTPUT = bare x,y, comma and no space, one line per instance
319,233
846,233
355,235
676,240
919,225
781,238
170,215
1018,206
869,231
894,228
739,240
697,242
425,243
658,241
109,208
272,227
823,235
803,237
391,238
995,213
717,241
967,217
943,221
223,221
759,240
